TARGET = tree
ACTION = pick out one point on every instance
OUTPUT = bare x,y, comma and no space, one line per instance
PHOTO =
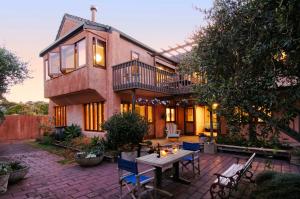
249,54
12,71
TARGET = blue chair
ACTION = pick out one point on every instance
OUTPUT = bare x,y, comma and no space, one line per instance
135,182
195,157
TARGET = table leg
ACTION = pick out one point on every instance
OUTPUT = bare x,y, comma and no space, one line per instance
176,177
158,175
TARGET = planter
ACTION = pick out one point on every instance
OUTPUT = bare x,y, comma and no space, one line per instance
3,183
18,175
210,148
295,159
86,160
129,155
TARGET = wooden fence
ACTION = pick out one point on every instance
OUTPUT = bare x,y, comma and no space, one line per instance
21,127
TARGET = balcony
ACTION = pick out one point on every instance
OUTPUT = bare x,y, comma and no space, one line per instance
138,75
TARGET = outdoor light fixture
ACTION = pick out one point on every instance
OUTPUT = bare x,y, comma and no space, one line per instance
215,105
98,58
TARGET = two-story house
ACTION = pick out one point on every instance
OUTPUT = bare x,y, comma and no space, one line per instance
93,71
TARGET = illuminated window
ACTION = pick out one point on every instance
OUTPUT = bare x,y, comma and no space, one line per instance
67,58
170,114
46,64
93,116
81,53
150,114
99,52
190,114
54,64
60,116
143,110
125,107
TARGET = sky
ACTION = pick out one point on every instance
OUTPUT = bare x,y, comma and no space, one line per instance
27,27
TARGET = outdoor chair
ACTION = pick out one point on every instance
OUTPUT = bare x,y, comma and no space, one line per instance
193,158
135,182
172,131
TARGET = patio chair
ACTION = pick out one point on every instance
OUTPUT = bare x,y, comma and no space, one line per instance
193,158
172,131
135,182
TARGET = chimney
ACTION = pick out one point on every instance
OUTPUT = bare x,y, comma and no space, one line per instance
94,11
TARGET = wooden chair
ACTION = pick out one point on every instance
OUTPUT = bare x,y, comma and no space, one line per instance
195,158
172,131
229,180
135,182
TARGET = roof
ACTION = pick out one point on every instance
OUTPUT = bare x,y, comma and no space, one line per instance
88,24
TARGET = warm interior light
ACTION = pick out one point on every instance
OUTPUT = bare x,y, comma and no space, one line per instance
98,58
215,105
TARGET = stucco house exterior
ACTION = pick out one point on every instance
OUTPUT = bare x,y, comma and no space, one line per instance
92,71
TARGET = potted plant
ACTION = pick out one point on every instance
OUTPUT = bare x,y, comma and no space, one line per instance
124,133
92,155
295,156
18,171
4,176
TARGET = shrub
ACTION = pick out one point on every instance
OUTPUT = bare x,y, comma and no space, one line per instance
72,131
47,140
125,131
277,186
4,169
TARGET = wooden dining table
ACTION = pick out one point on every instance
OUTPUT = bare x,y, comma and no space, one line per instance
161,162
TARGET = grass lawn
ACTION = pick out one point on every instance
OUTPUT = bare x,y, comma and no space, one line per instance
66,154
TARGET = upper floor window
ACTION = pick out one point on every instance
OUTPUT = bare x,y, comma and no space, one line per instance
81,53
46,65
54,64
99,53
135,55
60,116
67,58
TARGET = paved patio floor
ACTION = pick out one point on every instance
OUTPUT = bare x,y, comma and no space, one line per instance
49,179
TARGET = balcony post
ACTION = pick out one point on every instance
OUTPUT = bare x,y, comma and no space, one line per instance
133,99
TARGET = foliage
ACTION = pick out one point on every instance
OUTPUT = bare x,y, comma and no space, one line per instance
296,151
28,108
271,185
4,169
15,165
12,71
125,131
46,140
248,58
72,131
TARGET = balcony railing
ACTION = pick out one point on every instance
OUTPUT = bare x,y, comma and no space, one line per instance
138,75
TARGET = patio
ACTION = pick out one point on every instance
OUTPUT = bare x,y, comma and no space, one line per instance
49,179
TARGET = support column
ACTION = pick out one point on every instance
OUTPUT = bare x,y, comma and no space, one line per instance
133,100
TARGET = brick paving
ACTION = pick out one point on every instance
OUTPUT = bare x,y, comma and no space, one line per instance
49,179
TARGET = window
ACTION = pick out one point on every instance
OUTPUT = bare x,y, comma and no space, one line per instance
170,114
81,53
60,116
54,64
135,55
67,58
46,65
190,114
142,110
93,116
99,52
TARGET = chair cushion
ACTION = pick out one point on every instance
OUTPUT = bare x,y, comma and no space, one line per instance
188,158
173,135
131,179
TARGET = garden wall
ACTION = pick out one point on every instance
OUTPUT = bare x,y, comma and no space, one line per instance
20,127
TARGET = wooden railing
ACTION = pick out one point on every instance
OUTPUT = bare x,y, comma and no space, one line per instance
138,75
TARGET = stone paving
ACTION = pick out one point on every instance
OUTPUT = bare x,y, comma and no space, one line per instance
49,179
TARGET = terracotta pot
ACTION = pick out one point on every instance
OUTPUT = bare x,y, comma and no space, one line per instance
18,175
3,183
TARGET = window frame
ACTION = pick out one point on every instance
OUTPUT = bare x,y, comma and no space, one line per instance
171,121
67,70
94,44
77,54
53,75
88,119
46,68
62,120
186,114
